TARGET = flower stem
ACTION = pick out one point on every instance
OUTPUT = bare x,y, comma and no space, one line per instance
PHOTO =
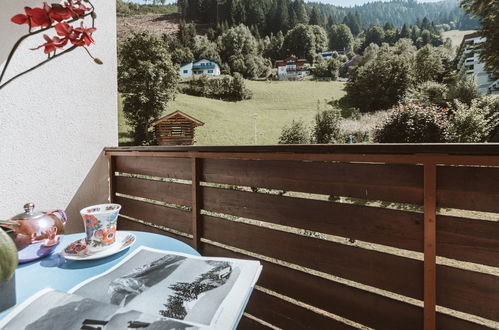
30,33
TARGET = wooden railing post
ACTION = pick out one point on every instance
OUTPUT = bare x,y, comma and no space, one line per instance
196,203
111,161
430,209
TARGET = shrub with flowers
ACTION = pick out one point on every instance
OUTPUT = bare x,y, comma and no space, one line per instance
60,18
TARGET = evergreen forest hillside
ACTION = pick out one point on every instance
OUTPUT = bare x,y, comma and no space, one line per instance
271,16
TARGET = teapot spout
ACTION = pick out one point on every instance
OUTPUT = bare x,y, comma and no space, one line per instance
9,223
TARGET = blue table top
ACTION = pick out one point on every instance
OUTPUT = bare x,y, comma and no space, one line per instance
57,273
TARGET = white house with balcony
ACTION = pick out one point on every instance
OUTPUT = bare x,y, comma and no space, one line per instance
204,66
469,63
292,68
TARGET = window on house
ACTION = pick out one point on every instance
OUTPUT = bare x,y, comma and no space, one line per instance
210,71
186,71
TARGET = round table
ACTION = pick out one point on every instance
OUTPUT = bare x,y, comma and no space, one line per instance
57,273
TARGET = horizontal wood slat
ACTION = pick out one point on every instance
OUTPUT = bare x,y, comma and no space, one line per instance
438,150
289,316
385,271
125,224
377,225
367,308
178,168
468,188
468,291
249,324
159,215
395,183
169,192
468,240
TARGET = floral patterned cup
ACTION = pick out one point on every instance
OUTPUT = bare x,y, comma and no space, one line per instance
100,225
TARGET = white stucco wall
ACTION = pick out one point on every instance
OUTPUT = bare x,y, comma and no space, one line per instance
187,74
55,120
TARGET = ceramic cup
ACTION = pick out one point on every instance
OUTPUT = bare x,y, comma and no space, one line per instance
100,225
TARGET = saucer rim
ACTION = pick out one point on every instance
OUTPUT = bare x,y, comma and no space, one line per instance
97,255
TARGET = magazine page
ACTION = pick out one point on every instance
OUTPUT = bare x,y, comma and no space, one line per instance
201,290
50,309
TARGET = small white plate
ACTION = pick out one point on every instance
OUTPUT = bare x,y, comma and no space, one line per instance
77,251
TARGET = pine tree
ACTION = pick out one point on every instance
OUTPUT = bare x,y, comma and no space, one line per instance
425,24
293,21
314,17
353,22
301,12
388,26
405,32
238,12
282,16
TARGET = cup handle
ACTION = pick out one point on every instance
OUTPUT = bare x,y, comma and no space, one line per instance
61,215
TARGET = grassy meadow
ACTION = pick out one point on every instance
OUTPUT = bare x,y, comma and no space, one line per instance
275,104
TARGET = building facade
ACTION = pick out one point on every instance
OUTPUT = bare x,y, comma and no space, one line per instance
469,63
330,54
292,68
200,67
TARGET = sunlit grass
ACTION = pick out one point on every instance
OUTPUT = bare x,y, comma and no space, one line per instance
275,103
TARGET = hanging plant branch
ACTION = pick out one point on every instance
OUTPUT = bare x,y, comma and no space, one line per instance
58,17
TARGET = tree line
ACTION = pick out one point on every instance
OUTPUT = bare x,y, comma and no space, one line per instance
271,16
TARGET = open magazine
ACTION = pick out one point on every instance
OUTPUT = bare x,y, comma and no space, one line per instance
149,289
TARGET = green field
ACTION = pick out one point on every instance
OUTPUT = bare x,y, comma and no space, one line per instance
276,104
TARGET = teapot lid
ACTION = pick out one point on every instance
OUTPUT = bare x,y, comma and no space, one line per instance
29,213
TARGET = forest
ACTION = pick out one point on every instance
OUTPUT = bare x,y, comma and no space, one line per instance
271,16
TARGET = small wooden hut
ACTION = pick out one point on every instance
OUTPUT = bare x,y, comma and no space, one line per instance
177,128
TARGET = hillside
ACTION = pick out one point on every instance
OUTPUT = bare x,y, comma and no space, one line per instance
152,23
275,103
456,36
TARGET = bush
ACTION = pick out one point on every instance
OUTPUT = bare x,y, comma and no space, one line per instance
412,123
471,124
428,93
327,69
464,90
492,103
327,128
296,133
226,88
361,127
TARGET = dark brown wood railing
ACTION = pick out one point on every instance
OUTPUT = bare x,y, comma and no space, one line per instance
378,236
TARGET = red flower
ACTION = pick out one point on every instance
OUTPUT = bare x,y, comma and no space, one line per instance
34,17
85,36
77,36
52,44
65,30
60,13
76,8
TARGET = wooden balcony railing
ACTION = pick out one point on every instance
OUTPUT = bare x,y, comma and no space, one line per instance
378,236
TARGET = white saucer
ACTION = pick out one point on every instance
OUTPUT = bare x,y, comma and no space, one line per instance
77,251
